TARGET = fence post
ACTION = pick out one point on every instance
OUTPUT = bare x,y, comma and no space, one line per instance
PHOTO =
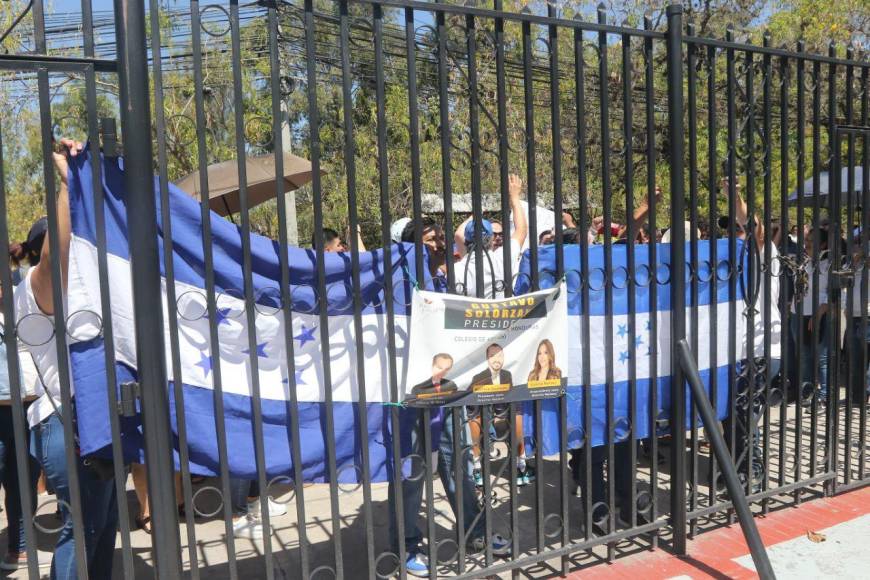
676,136
145,271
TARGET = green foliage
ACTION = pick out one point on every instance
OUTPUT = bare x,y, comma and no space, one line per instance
580,124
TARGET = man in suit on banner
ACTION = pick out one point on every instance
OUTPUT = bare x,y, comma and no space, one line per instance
438,384
494,374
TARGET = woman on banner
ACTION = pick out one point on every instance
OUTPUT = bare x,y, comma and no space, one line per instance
545,368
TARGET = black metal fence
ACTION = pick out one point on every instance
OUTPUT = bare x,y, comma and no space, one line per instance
394,99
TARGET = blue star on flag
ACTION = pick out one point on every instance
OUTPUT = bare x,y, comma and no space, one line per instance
638,341
305,335
298,381
623,330
204,363
222,315
624,356
649,324
261,350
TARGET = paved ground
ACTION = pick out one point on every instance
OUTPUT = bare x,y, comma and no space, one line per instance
841,523
804,457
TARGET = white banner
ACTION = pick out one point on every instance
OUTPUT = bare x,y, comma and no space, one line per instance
469,351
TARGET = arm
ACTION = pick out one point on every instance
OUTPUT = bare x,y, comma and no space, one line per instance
743,214
41,280
521,226
640,214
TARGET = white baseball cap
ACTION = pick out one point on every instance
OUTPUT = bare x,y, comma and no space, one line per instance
397,228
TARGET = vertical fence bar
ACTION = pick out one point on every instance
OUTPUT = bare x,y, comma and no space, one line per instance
353,222
652,201
108,329
584,471
633,229
211,303
816,237
503,170
329,423
733,271
865,255
678,295
750,238
59,315
832,409
19,418
248,283
286,300
414,139
147,297
783,251
768,263
172,311
607,194
384,189
691,97
713,224
856,342
798,310
556,128
444,117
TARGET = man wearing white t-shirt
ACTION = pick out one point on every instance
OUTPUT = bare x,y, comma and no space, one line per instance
492,260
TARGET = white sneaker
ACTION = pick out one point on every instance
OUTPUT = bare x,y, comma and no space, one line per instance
275,508
248,527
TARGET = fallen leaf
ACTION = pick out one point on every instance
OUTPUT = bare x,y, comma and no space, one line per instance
816,537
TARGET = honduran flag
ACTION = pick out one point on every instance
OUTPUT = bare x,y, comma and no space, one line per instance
632,399
200,360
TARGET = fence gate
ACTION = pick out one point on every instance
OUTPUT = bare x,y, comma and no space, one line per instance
677,185
849,292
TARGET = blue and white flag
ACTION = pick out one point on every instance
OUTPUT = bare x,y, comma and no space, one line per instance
632,401
202,363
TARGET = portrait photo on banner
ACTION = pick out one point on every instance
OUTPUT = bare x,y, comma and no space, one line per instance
470,351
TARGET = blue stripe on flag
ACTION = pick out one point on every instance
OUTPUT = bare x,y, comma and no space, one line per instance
644,275
189,264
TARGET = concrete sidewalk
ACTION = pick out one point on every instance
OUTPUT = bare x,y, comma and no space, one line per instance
839,547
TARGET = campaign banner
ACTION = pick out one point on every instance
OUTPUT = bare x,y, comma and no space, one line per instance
472,351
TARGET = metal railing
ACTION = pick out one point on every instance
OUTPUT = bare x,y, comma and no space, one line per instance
390,98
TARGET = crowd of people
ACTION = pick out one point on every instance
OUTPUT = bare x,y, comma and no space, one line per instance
804,288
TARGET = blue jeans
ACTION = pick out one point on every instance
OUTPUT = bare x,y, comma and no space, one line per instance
819,336
9,479
240,491
98,501
859,374
412,489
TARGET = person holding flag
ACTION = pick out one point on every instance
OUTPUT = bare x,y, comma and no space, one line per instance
46,417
